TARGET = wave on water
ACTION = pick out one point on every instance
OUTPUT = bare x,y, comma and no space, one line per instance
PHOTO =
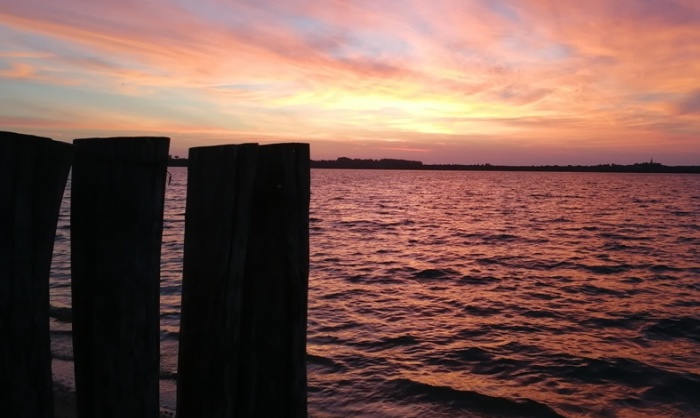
61,313
675,328
411,391
436,274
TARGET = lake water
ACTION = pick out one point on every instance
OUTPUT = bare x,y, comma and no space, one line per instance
479,294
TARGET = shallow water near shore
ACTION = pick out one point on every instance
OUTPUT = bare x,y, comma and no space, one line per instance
478,294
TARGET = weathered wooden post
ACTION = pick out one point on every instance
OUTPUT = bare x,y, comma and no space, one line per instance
117,197
219,191
272,370
33,173
245,282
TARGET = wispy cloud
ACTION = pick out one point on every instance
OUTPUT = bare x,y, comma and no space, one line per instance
690,104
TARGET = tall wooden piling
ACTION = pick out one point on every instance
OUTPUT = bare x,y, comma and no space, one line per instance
33,173
273,365
117,198
245,282
220,183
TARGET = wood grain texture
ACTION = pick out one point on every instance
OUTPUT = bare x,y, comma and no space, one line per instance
118,188
245,282
33,173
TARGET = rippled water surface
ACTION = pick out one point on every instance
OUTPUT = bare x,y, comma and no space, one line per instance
483,294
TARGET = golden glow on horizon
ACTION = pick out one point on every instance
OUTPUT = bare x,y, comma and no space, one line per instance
505,82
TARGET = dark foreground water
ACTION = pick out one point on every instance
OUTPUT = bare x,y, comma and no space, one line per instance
480,294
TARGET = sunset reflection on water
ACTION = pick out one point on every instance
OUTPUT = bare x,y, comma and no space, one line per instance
481,294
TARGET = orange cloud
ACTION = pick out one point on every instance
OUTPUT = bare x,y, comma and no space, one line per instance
18,70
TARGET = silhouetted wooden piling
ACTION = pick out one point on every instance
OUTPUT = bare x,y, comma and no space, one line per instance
245,282
33,173
117,195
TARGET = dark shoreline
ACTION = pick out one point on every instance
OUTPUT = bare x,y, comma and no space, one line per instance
391,164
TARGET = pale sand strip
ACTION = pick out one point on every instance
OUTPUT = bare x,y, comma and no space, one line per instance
64,404
64,392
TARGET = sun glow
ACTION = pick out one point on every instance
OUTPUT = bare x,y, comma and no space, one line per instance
602,82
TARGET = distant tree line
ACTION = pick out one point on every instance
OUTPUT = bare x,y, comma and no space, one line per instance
176,161
601,168
398,164
650,167
383,164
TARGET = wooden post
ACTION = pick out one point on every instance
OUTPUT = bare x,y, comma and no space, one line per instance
245,282
219,191
33,173
117,196
273,359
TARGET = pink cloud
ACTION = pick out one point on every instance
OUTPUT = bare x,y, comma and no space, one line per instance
690,104
18,70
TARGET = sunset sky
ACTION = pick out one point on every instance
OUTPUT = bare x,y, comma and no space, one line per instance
442,81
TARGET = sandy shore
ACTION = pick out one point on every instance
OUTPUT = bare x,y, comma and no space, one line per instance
64,403
64,382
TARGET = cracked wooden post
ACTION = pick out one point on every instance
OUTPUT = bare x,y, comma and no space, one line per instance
245,282
33,173
117,199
